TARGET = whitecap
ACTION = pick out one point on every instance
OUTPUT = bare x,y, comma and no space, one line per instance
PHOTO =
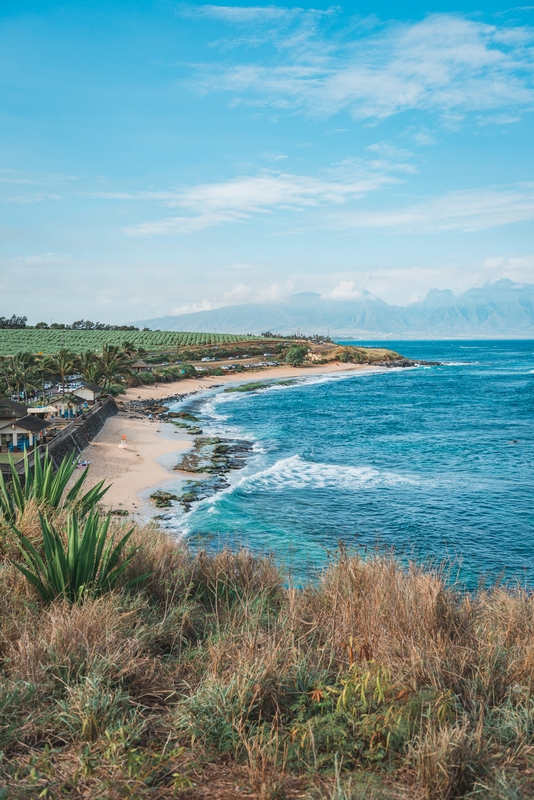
295,472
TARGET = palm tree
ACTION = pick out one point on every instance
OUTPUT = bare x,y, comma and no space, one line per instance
62,364
114,363
19,373
12,375
42,372
128,349
90,366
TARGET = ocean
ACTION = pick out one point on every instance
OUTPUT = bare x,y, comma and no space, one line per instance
434,463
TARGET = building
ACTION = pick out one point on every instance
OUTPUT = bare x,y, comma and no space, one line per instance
141,366
89,392
10,410
44,412
22,433
66,406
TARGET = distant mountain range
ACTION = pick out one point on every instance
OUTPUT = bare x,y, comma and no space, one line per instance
501,309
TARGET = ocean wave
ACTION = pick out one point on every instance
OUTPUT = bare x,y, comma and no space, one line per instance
459,363
295,472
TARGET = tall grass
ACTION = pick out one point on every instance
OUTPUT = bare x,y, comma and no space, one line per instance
217,680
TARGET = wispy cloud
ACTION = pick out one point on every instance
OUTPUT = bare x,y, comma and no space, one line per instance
37,197
236,14
337,193
466,210
241,198
445,64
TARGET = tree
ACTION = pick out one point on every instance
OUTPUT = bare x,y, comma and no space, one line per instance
19,373
90,366
62,364
296,354
13,322
114,363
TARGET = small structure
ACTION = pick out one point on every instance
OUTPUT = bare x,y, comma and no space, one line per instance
90,392
141,366
10,410
43,412
22,433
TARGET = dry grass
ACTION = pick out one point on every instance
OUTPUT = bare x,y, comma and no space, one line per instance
215,679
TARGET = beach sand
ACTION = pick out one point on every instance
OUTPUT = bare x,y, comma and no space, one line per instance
134,468
249,376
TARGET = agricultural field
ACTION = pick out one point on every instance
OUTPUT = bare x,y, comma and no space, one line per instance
31,340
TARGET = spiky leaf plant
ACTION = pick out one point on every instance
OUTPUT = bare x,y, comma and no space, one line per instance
46,486
89,563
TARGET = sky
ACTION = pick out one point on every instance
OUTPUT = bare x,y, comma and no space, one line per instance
161,157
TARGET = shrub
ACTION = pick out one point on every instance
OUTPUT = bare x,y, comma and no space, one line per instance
89,563
46,487
296,354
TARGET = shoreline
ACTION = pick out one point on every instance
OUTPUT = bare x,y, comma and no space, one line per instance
195,385
135,468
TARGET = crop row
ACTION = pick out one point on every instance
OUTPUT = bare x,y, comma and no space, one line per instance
50,341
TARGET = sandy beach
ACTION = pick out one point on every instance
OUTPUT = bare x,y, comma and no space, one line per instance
201,384
133,467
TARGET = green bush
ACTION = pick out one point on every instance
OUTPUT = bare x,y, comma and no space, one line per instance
46,487
296,354
89,563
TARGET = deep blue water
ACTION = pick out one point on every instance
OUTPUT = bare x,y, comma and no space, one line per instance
434,462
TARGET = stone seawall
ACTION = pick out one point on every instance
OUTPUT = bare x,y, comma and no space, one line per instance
76,436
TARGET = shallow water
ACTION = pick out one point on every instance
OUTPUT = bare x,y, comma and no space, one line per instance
435,462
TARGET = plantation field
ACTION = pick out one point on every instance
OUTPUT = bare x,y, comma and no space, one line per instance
50,341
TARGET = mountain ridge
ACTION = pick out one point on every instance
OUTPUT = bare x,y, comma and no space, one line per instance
500,309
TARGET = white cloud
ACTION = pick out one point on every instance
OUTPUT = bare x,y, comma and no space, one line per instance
345,290
237,15
240,199
445,63
277,291
241,294
38,197
47,258
465,210
205,305
516,268
237,200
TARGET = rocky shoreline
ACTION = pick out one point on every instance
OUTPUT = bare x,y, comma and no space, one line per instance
212,457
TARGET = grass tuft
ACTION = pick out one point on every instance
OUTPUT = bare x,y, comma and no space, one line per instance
213,678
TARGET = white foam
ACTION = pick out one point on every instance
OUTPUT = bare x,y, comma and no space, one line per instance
297,473
459,363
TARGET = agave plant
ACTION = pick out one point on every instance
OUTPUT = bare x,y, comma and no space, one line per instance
47,487
89,563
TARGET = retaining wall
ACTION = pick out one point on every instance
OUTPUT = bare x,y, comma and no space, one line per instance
80,433
75,437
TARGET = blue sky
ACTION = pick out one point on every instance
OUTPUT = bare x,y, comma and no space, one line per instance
161,157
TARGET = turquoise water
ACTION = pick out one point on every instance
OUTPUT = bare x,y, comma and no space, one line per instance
434,462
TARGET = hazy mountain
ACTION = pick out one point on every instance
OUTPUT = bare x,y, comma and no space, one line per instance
503,308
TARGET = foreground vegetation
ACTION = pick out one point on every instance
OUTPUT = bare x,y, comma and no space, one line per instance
198,675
